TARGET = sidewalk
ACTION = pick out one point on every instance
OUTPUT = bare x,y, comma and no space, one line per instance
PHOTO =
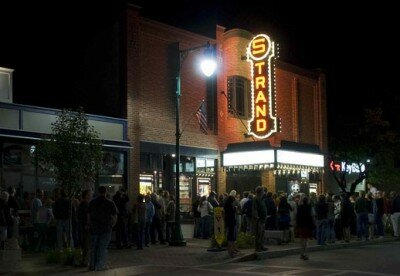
276,251
194,254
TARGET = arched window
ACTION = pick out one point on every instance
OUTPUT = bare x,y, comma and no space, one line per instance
239,96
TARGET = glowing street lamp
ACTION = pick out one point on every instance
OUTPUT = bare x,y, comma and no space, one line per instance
208,66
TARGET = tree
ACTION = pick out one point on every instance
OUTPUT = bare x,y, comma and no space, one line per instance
72,153
370,147
346,158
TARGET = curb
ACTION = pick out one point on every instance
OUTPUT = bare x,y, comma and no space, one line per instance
296,250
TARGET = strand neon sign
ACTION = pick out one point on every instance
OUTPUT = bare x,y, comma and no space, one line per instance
260,53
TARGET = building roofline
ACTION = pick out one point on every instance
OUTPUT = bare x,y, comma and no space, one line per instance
238,33
130,5
181,31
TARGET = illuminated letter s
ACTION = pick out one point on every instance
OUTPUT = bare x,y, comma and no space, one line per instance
258,46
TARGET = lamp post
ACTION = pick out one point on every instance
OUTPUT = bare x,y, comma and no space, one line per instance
208,66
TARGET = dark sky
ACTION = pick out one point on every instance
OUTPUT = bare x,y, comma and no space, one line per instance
356,45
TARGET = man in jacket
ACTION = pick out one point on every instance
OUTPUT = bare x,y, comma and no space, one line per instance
102,218
259,215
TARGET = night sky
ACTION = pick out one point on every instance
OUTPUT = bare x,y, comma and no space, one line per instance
355,45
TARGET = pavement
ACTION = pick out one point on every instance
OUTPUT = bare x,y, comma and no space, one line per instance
194,254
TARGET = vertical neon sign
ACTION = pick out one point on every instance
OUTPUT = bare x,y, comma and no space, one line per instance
260,52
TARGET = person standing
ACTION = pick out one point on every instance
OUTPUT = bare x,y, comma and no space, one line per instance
83,220
321,210
330,226
247,212
102,218
205,208
230,223
395,214
170,217
214,203
35,205
155,228
3,218
371,207
380,210
243,227
62,215
360,207
346,213
139,220
13,219
121,199
44,218
149,218
338,219
305,225
284,217
293,214
271,212
259,215
196,217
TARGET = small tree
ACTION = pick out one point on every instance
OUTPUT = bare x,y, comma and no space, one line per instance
72,153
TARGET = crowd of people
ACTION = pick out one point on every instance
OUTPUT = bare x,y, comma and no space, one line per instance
87,222
325,217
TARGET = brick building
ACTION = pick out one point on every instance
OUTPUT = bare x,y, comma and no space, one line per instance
299,104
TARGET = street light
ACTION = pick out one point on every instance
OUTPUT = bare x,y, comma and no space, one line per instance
208,66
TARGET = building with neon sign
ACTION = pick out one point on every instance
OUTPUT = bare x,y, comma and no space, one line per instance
290,112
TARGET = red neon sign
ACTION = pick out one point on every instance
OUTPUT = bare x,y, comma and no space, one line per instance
335,166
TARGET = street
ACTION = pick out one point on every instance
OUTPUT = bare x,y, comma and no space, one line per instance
378,259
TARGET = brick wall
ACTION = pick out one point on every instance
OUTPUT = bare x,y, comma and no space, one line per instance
268,181
152,56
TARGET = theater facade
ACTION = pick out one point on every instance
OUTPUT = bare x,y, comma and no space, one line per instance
266,119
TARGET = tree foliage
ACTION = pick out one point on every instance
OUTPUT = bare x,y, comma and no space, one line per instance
374,143
72,152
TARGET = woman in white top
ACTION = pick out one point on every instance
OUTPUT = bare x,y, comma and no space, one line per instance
205,208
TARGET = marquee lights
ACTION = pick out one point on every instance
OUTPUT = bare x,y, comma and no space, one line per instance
260,52
248,158
300,158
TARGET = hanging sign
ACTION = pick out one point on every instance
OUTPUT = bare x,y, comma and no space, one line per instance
260,54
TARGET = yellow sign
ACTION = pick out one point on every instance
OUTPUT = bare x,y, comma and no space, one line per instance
260,53
219,225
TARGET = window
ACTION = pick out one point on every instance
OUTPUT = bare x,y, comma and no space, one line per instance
239,97
6,85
